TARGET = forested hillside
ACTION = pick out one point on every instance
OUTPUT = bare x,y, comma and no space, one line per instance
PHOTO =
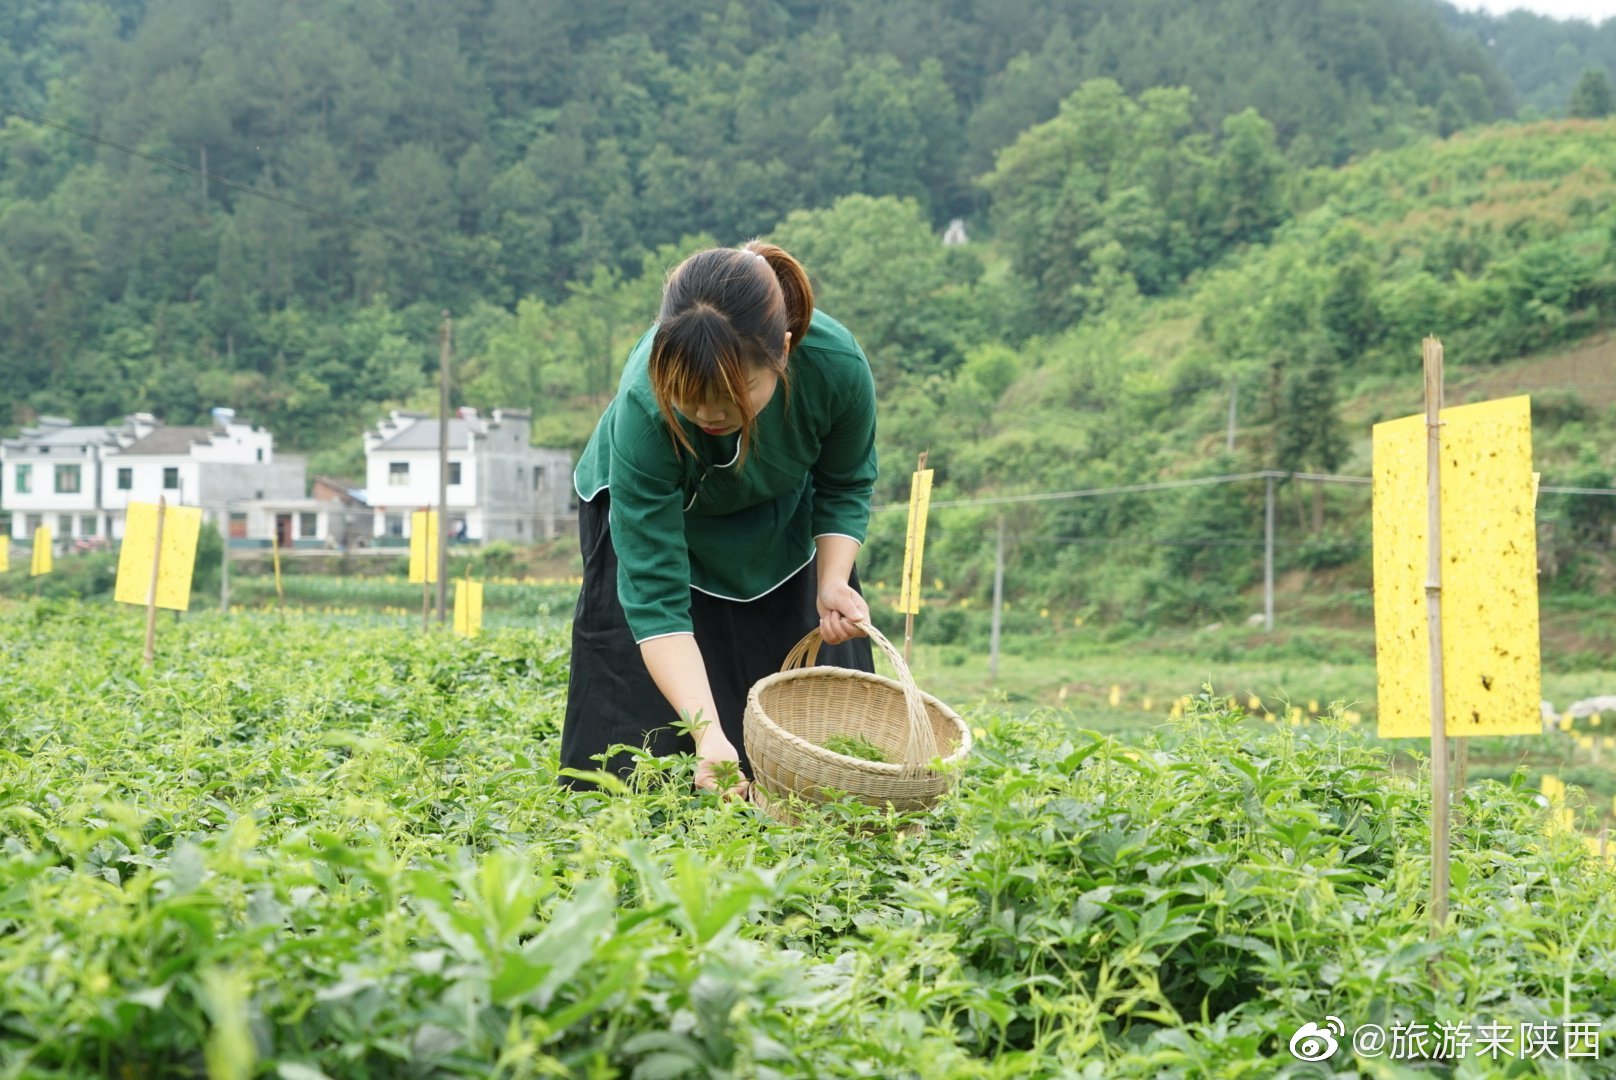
539,152
1546,59
1169,205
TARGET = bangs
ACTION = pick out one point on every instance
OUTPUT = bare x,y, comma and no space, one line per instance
693,375
695,363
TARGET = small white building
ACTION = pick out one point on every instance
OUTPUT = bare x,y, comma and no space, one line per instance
499,486
81,480
51,474
209,466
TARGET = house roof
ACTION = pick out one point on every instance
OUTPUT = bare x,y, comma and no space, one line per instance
422,434
62,436
171,440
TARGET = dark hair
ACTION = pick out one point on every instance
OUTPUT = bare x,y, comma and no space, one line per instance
725,311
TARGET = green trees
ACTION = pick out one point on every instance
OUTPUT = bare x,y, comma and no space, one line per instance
1591,98
878,266
1117,192
543,151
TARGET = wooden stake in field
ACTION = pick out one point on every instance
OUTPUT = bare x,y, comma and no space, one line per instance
156,561
1456,620
1433,615
151,590
424,551
275,557
914,550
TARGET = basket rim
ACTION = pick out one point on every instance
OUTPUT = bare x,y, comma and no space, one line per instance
885,768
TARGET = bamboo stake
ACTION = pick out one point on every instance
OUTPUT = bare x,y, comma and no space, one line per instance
151,589
916,530
426,573
1433,604
275,555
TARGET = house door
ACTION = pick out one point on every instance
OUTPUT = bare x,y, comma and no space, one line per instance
283,530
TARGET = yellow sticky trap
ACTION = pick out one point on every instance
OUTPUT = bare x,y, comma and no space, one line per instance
1116,696
5,553
1146,704
181,527
424,547
468,608
1565,722
1254,703
1313,706
914,542
1491,673
41,563
1593,721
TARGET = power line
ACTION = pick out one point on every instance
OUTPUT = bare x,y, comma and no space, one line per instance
1124,489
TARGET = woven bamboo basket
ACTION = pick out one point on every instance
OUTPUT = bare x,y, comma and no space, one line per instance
790,715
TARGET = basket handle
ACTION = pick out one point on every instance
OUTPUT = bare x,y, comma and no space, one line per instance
922,745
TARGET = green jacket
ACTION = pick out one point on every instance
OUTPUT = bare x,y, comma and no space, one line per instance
733,530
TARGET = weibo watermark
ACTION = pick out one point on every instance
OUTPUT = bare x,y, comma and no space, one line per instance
1447,1042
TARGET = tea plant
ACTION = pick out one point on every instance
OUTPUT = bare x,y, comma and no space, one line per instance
301,849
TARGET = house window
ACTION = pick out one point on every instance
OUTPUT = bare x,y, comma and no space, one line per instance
67,479
126,479
64,526
260,453
238,525
454,472
88,525
171,477
33,523
308,525
538,478
398,473
395,524
25,474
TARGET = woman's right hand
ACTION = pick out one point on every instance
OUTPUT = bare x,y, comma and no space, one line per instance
717,761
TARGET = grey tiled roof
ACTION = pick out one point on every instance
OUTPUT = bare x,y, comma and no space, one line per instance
63,436
423,434
172,440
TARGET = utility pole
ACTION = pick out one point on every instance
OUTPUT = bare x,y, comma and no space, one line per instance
998,603
1268,558
224,564
1234,396
443,470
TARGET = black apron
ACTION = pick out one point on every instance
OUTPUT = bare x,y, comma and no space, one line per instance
611,697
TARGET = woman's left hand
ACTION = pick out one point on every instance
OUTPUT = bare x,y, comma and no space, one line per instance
840,607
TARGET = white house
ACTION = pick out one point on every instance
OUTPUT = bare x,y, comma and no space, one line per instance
210,466
80,480
51,474
499,486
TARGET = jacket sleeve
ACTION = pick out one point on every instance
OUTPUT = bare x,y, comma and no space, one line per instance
648,527
844,475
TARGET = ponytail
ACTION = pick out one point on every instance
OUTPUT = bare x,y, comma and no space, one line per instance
794,285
